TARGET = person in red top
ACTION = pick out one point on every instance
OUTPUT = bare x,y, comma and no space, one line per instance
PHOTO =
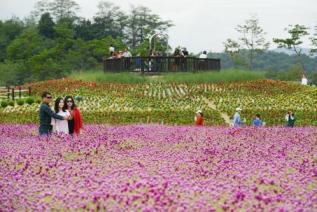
199,118
75,123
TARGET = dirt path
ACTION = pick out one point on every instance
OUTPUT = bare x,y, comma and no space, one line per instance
212,105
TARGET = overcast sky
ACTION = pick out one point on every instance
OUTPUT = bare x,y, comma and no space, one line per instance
202,24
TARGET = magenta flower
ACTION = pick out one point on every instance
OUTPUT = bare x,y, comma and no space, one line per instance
159,168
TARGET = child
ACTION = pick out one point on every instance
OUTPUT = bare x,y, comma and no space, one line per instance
257,122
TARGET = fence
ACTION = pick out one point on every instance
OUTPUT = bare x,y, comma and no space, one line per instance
161,64
12,92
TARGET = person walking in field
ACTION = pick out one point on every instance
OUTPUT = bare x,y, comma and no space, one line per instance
199,118
290,119
257,122
237,119
46,114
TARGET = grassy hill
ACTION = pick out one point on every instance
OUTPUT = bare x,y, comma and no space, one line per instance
229,75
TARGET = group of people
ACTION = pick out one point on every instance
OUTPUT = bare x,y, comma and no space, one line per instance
155,60
237,122
65,119
181,52
119,54
290,119
184,53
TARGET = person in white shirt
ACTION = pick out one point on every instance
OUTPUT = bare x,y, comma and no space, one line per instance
304,80
127,59
111,50
60,126
203,55
202,65
127,53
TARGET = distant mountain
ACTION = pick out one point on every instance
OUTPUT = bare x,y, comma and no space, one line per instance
269,60
305,51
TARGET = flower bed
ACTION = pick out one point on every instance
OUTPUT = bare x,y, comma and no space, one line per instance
159,168
176,103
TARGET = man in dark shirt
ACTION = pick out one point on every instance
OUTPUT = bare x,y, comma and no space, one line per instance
46,115
184,63
185,52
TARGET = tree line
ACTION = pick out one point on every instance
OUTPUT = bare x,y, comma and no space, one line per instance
246,51
54,40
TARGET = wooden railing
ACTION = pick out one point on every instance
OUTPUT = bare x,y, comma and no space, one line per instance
12,92
161,64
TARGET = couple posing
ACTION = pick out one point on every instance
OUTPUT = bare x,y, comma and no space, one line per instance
66,118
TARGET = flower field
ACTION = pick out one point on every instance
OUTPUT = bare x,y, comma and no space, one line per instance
175,104
161,168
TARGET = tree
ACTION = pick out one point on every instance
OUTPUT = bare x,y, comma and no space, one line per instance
85,30
9,72
9,30
46,65
64,38
142,23
294,73
26,45
59,9
296,32
109,20
253,38
65,29
21,50
63,9
313,78
314,41
232,48
40,7
46,26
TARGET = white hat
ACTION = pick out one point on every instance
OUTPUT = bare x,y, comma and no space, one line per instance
238,109
199,111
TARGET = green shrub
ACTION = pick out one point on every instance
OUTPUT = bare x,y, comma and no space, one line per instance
4,104
38,101
294,73
29,100
20,102
8,73
313,77
11,103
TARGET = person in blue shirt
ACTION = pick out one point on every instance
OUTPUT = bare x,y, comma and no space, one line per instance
257,122
237,119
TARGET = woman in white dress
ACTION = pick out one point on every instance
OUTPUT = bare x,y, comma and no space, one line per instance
60,126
